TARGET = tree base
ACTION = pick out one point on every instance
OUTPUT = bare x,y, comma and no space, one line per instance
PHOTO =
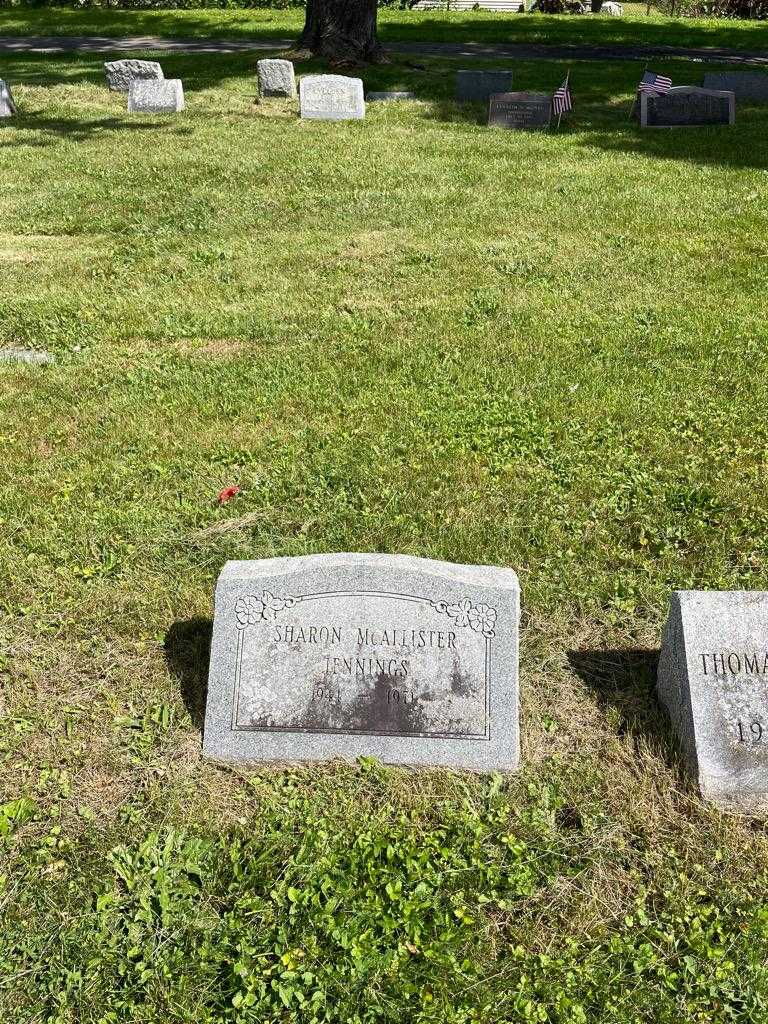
343,32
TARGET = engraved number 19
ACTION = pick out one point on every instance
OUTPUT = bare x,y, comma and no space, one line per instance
754,732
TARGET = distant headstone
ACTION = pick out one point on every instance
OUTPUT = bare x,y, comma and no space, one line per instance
405,659
276,78
687,106
373,97
612,8
120,73
161,97
479,86
520,110
745,85
7,106
331,98
25,355
713,680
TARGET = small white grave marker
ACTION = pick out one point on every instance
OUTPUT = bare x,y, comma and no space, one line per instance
156,97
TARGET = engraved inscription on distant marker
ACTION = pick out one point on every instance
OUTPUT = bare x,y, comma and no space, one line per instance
520,110
686,106
331,98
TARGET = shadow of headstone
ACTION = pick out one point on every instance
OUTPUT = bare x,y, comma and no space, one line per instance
188,652
624,680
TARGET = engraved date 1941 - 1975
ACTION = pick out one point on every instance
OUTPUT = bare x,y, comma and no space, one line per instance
333,694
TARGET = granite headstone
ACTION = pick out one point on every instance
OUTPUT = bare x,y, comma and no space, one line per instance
161,97
745,85
120,73
687,106
405,659
713,676
276,78
479,86
331,98
7,106
520,110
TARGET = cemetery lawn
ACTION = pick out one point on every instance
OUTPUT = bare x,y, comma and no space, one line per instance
409,334
635,28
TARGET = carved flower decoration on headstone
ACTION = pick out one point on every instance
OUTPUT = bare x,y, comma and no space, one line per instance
459,612
483,619
251,609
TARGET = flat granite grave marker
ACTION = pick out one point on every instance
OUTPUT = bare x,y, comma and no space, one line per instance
161,97
687,106
406,659
7,106
745,85
120,73
276,78
25,355
331,98
479,86
713,680
520,110
373,97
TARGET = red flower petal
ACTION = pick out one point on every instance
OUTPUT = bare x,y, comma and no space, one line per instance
227,494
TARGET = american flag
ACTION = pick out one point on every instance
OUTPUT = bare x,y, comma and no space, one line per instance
561,100
654,84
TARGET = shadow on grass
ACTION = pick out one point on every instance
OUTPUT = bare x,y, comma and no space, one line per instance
188,653
742,146
77,130
625,681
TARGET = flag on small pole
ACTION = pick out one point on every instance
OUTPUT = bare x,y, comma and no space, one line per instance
653,84
561,100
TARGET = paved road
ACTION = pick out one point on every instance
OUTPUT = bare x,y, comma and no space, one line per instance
521,51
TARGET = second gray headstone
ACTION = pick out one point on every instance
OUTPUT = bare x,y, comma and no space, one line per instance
276,78
479,86
745,85
120,73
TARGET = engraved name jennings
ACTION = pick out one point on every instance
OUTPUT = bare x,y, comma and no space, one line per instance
326,676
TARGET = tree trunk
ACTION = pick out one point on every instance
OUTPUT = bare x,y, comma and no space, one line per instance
342,31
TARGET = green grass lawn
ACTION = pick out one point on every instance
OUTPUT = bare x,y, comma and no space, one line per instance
435,26
409,334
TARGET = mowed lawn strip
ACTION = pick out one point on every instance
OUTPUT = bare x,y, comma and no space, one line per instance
408,334
634,28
